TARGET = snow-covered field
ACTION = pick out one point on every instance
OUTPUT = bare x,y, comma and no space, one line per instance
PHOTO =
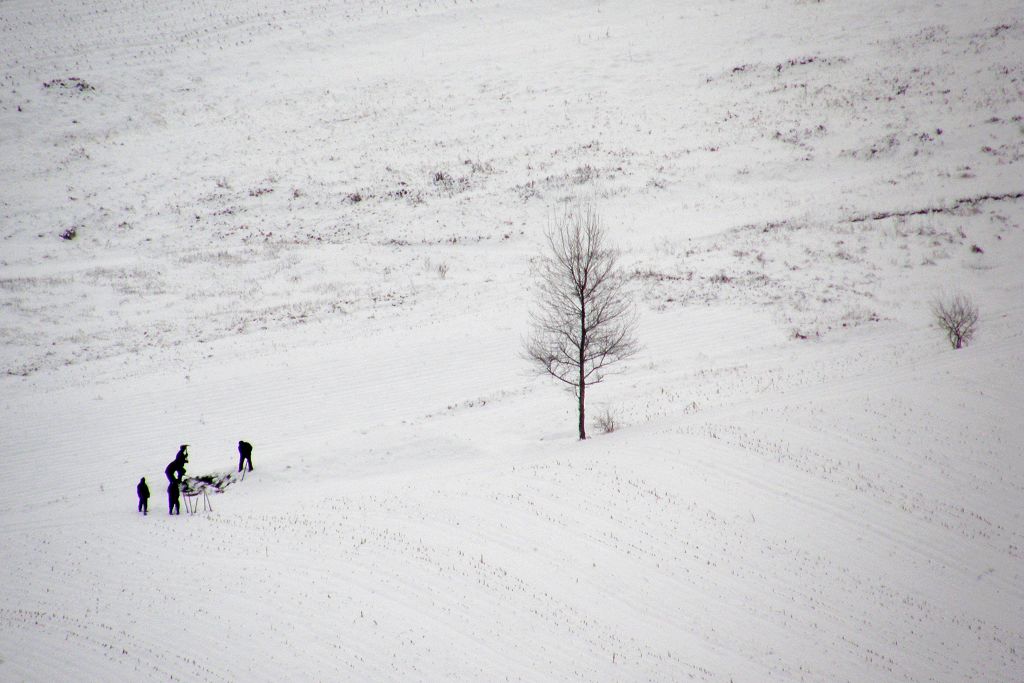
310,225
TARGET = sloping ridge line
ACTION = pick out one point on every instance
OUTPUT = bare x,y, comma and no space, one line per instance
966,201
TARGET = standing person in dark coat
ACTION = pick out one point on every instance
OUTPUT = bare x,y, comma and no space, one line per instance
177,466
143,492
244,454
173,499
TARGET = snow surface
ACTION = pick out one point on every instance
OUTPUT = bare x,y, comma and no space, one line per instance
309,225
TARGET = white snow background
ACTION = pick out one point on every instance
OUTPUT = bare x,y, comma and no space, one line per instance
310,225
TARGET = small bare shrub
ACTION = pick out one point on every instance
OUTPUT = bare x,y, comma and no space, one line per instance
957,316
528,190
606,421
442,270
450,184
720,279
479,166
584,174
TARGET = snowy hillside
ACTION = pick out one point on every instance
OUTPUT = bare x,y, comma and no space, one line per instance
310,225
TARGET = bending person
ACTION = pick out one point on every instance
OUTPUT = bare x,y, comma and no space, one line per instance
244,455
177,466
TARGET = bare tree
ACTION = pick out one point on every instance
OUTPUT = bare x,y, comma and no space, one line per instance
583,322
957,315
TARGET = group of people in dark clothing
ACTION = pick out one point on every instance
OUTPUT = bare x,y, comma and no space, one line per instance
175,472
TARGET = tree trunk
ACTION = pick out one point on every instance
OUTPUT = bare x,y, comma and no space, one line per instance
583,375
583,390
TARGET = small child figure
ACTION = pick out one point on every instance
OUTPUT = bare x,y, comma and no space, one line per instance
173,499
143,492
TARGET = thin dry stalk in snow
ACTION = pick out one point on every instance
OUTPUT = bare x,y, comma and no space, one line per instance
583,322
